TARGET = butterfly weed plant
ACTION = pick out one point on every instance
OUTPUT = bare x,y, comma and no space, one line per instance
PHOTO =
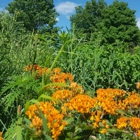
49,104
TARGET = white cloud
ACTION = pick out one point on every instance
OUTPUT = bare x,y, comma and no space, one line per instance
68,17
57,19
66,8
138,23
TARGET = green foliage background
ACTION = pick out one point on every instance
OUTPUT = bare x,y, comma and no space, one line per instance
89,54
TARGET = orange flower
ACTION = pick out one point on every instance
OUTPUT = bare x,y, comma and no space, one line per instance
1,136
63,94
122,122
134,122
104,122
103,131
138,133
82,103
53,116
76,88
138,85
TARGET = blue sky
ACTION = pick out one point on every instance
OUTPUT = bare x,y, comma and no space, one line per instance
66,8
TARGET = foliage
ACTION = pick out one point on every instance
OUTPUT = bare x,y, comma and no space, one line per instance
35,15
19,48
95,66
119,24
116,22
87,19
10,36
71,113
72,87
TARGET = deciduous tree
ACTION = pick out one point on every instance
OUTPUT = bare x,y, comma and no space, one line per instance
115,23
35,14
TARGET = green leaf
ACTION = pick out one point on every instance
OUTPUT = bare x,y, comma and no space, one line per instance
70,120
26,106
113,130
46,97
35,101
19,129
51,85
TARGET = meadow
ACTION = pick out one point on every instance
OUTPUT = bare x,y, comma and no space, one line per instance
61,87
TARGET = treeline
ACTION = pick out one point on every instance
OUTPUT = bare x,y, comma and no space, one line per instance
111,23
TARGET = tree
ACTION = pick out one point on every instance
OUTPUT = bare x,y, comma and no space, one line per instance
86,19
119,24
115,23
37,15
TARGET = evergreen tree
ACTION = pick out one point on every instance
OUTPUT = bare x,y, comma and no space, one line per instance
35,14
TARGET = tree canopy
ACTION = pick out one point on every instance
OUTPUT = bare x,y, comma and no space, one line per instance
116,22
86,19
35,14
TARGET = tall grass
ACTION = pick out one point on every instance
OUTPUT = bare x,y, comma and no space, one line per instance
92,65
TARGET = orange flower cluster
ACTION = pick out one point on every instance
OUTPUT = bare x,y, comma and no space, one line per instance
132,101
82,103
60,77
55,120
110,93
132,122
66,95
1,136
76,88
32,68
63,94
56,76
111,100
36,70
96,119
122,122
106,99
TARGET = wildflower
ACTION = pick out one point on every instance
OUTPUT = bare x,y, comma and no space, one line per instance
109,100
61,77
113,93
76,88
104,122
63,94
32,67
82,103
107,126
1,136
134,122
64,78
95,125
55,120
138,85
109,106
96,118
122,122
103,131
132,101
138,133
56,71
